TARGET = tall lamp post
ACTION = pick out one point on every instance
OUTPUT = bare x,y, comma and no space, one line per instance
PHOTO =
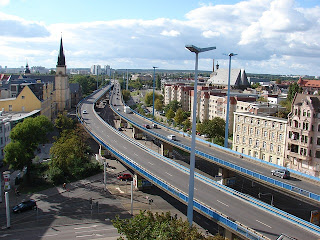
196,50
154,75
226,133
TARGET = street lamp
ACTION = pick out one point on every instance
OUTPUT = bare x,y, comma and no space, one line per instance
226,133
196,50
154,75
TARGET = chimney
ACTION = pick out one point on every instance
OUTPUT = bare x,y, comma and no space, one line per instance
213,66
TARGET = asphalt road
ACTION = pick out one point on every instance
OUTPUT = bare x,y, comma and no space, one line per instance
268,224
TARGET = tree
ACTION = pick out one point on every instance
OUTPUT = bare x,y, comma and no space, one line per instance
158,82
293,89
126,95
179,116
147,225
63,122
158,105
170,114
148,98
186,124
174,105
87,83
213,128
25,138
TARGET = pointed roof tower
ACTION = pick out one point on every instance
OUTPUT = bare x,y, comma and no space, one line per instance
61,57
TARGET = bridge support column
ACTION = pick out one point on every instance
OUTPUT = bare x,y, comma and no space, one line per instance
123,123
166,150
140,183
137,133
226,177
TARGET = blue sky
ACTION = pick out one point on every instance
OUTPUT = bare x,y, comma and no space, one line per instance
270,36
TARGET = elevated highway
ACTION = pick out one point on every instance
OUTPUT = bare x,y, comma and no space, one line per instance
238,213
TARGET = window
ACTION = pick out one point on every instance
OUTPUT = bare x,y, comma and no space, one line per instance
279,148
263,157
258,132
265,134
280,137
265,123
256,154
245,129
317,154
251,130
22,97
257,143
281,127
237,139
271,147
250,141
264,145
270,159
243,139
10,108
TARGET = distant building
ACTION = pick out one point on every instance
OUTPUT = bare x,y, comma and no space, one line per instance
303,135
95,69
238,78
260,136
309,86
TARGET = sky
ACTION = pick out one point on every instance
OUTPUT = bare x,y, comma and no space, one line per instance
268,36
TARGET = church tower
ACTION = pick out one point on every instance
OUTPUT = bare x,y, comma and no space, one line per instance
62,90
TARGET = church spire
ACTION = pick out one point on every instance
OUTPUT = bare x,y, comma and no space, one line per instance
61,57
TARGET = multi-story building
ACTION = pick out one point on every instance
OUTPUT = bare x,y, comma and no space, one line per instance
5,128
260,136
95,69
303,135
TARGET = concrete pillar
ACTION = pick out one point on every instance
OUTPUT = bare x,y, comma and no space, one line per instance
123,123
140,183
166,150
228,235
137,133
226,177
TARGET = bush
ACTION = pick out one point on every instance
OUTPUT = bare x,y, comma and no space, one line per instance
55,175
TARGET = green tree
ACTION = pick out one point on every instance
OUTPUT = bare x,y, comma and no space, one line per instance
26,136
186,124
213,128
293,89
148,98
63,122
158,105
174,105
179,116
170,114
126,95
158,82
147,225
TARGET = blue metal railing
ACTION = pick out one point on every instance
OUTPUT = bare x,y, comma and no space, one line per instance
267,179
200,206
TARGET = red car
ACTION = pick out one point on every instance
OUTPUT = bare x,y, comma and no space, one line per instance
125,176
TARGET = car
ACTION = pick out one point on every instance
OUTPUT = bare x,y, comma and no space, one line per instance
285,237
84,112
172,137
24,206
119,129
118,109
146,126
155,126
281,173
125,177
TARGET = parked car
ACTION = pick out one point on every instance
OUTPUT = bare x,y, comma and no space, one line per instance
84,112
24,206
282,173
172,137
125,177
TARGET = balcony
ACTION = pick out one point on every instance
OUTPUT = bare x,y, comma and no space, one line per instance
298,156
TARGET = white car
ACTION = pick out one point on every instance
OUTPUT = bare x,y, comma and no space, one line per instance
172,137
84,112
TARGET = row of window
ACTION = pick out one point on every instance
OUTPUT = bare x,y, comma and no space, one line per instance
258,122
258,131
256,155
257,143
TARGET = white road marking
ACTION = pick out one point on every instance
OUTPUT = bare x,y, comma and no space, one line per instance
119,190
169,174
49,235
223,203
136,154
115,140
5,235
263,224
150,163
195,189
124,147
86,227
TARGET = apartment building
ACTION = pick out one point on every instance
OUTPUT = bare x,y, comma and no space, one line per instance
303,135
260,136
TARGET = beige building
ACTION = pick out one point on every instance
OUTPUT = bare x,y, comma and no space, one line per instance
260,136
303,135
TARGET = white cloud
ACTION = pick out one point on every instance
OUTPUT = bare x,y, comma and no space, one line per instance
268,35
4,2
171,33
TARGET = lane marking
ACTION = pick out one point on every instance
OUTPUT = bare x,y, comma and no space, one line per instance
263,224
223,203
150,163
119,190
124,147
136,154
169,174
85,227
49,235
